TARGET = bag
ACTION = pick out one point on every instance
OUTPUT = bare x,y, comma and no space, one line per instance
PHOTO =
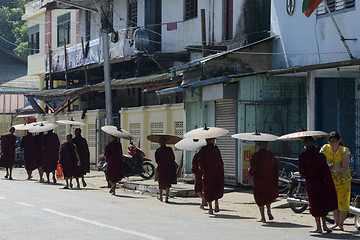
59,172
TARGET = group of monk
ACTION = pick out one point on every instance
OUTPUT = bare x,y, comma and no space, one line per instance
44,152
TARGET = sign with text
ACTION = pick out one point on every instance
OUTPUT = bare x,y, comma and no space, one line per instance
246,150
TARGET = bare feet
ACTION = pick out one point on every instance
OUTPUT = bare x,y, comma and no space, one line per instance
160,199
338,228
327,230
84,183
10,178
54,179
201,206
262,220
6,176
271,217
211,212
316,231
217,209
66,187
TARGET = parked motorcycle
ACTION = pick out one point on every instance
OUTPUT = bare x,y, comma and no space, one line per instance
135,163
297,191
287,166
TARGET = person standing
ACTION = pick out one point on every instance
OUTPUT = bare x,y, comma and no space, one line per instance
51,151
7,158
69,159
39,156
115,169
265,171
211,163
84,154
165,159
198,187
319,184
27,145
338,157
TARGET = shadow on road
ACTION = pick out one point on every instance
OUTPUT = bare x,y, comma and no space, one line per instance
183,203
284,225
123,196
228,216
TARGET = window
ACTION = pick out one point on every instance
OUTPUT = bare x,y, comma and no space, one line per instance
179,129
335,6
63,29
156,128
190,9
132,13
135,130
87,25
34,40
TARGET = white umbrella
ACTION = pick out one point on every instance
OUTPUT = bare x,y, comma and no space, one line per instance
26,115
300,135
255,136
170,139
27,126
42,127
70,122
190,144
117,132
206,132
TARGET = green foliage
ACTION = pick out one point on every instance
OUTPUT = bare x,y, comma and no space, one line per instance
13,30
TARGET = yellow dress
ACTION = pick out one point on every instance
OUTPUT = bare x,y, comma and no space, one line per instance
342,181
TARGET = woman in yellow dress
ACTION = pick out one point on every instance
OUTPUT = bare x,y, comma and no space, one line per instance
338,157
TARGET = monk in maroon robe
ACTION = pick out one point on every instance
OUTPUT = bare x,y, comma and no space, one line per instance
7,157
84,154
198,187
40,155
51,152
115,168
27,145
319,184
211,163
69,159
265,171
166,169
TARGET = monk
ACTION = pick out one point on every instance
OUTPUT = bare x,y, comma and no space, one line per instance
165,159
115,168
69,159
319,184
7,158
265,171
39,156
27,145
51,151
84,154
211,163
198,187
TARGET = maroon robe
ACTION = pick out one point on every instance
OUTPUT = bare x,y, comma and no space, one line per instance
84,155
319,184
265,171
68,158
27,144
165,158
115,168
198,173
51,152
211,163
39,150
7,157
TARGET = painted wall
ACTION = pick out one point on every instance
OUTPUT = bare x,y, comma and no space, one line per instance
313,40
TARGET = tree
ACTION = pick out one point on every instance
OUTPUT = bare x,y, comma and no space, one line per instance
13,30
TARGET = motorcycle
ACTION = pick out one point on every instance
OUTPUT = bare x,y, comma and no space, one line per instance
135,163
287,166
297,191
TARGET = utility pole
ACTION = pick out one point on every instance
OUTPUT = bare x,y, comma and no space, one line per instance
106,26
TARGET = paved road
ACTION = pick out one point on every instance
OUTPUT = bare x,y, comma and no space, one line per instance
32,210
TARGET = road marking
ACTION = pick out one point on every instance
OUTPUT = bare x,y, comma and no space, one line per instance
102,224
3,198
24,204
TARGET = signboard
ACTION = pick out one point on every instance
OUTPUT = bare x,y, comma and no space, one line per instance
246,150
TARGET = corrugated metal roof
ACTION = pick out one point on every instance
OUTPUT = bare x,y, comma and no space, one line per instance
55,94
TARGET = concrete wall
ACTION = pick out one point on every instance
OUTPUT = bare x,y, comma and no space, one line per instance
313,40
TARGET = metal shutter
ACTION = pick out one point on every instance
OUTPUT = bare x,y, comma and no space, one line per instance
225,117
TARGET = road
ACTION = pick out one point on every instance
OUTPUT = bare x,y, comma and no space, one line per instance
33,210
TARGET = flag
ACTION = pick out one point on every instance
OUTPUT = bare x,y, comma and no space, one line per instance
309,6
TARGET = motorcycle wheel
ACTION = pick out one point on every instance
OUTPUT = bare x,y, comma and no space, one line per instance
298,192
148,170
357,222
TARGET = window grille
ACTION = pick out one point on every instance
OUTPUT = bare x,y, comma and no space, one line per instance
132,13
190,10
156,128
179,129
335,5
135,129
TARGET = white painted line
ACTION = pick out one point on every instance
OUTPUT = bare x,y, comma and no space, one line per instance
3,198
102,224
24,204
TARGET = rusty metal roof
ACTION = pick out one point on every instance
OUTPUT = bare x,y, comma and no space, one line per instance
55,94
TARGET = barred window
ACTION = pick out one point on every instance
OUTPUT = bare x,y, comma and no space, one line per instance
132,13
156,128
179,129
335,5
135,129
191,9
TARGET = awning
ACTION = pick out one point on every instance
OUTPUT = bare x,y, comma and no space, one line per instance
143,81
169,90
56,94
208,82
